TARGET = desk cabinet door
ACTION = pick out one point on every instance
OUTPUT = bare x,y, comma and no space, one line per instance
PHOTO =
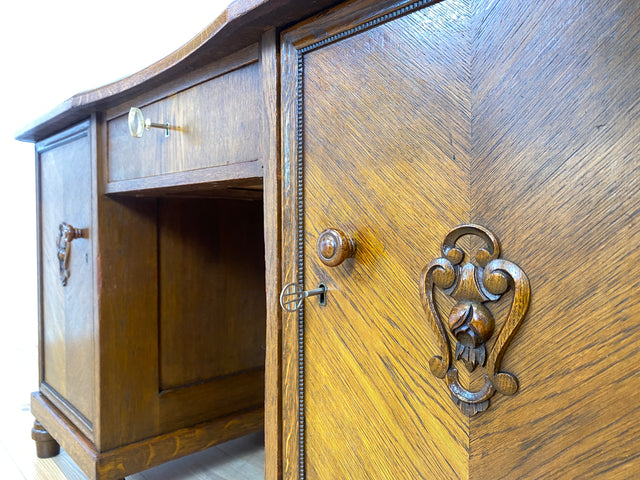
66,276
520,118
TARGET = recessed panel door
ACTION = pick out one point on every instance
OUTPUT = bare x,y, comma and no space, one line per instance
66,263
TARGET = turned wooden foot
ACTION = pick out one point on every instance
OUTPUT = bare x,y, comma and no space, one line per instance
46,446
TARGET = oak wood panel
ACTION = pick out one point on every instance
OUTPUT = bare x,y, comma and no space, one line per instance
128,312
189,405
217,122
224,181
97,142
371,407
211,289
269,61
555,173
64,172
289,368
147,453
240,25
544,156
190,323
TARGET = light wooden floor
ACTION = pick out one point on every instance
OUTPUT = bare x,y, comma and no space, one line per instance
241,459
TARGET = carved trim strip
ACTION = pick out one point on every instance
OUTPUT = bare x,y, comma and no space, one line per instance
401,11
474,283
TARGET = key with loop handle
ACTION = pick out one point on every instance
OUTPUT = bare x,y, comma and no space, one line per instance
293,295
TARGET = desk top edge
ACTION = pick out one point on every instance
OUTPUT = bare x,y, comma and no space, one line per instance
239,25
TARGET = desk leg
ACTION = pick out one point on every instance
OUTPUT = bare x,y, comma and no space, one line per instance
46,446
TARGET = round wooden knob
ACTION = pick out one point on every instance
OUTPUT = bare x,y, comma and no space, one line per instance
334,247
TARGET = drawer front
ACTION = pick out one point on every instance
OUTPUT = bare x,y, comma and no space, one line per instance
66,311
217,123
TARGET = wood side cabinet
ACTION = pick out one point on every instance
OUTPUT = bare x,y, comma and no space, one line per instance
152,315
155,245
152,261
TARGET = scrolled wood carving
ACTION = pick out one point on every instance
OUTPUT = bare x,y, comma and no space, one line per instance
473,284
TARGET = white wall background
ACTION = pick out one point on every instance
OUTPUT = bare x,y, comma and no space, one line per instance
50,51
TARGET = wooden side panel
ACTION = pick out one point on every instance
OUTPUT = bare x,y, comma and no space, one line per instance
128,303
272,238
67,332
219,122
211,285
385,149
211,309
556,176
289,363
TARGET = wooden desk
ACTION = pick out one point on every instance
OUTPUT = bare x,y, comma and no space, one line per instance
152,251
462,178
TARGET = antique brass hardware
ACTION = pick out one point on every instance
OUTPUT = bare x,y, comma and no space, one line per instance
138,124
334,247
66,234
293,295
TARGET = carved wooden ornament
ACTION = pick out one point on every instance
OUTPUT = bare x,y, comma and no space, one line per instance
66,234
472,285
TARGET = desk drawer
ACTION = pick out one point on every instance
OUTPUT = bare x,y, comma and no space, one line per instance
218,124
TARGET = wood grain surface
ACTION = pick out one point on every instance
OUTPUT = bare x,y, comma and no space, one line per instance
523,118
134,457
67,331
371,409
200,336
269,63
228,131
289,409
556,174
368,348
